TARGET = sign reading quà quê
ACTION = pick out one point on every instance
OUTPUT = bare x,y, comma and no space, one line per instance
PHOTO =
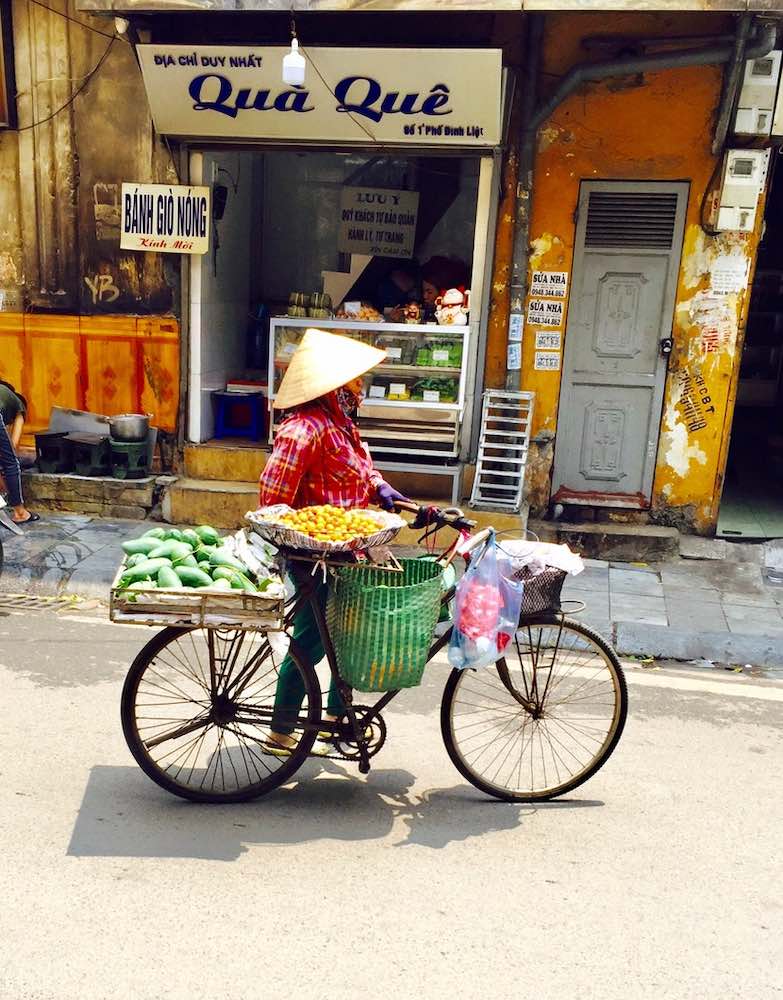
426,97
165,218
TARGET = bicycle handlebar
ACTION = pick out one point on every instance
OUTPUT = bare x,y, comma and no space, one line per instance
451,517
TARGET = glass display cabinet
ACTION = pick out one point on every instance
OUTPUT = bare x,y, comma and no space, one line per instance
414,399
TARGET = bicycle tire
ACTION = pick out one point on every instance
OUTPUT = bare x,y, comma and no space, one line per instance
250,754
592,644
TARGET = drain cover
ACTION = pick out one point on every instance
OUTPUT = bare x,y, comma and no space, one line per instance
32,602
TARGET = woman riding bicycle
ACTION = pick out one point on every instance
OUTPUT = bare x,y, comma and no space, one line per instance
319,458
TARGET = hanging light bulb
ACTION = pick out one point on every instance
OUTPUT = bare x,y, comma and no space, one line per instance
294,63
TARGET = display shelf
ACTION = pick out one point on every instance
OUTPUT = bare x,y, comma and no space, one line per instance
383,367
380,327
398,426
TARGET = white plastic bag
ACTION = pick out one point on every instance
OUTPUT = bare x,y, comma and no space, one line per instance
486,610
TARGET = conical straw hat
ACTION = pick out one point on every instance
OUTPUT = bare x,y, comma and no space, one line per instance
323,362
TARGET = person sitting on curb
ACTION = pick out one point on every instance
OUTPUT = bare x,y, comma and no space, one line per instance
13,408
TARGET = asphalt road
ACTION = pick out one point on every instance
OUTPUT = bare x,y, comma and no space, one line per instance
659,878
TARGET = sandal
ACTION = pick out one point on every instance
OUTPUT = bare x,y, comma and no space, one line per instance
28,520
278,750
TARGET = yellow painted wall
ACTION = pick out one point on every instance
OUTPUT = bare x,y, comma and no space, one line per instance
656,127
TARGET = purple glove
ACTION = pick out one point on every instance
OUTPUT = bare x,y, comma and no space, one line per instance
388,496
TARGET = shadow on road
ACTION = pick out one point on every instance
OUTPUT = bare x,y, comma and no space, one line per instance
123,814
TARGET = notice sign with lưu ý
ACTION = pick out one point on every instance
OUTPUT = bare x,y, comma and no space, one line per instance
165,218
380,222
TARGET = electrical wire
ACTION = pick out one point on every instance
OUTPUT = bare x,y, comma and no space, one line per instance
75,94
82,24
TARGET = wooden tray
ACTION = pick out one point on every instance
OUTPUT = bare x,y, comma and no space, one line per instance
192,608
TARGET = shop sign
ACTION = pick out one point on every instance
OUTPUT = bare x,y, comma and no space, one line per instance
164,218
377,221
548,340
541,312
550,284
424,97
547,361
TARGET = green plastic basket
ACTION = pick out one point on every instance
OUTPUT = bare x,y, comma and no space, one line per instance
382,623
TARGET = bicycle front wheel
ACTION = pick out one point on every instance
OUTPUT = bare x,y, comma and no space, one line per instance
197,708
544,719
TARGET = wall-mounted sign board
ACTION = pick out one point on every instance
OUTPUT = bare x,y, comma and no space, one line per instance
377,221
423,97
164,218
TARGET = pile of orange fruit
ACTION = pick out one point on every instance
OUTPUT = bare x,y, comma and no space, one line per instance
331,524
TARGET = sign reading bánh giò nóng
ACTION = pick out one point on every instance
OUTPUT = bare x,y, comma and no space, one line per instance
377,221
165,218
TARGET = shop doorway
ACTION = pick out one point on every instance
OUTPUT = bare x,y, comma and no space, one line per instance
752,503
277,236
627,255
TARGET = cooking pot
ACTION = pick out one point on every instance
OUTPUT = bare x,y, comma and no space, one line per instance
130,426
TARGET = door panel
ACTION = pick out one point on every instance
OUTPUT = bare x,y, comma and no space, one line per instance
621,307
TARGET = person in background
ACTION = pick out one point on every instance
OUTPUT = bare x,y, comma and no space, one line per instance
318,458
399,287
437,276
13,408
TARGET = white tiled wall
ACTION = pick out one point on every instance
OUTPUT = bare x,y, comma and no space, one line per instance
220,291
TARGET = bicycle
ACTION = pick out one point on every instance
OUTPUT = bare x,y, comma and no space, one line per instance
197,704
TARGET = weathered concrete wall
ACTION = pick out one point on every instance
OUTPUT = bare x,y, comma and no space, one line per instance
652,127
59,196
11,264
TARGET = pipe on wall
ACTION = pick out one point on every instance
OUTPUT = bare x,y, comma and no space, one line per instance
731,82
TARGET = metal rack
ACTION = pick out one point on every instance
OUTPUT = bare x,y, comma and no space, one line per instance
506,418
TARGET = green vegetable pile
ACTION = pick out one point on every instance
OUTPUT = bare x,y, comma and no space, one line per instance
170,559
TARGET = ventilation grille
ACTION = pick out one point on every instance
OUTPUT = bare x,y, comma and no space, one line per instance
630,219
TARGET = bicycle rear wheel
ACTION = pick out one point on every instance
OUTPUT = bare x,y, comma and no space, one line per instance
197,708
575,684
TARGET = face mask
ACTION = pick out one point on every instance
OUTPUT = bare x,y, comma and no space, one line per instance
348,400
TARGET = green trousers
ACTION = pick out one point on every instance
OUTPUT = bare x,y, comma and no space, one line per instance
290,686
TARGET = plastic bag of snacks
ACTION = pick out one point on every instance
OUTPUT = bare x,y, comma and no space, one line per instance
486,611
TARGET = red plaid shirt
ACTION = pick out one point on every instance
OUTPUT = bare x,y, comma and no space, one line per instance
318,457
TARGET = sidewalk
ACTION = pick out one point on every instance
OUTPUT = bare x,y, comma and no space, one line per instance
718,610
713,609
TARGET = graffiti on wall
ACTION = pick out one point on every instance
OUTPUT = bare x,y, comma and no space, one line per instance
102,288
695,402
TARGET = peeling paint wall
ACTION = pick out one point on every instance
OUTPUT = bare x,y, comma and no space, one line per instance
652,127
60,181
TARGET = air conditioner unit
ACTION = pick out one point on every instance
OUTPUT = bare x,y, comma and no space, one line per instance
744,177
756,104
